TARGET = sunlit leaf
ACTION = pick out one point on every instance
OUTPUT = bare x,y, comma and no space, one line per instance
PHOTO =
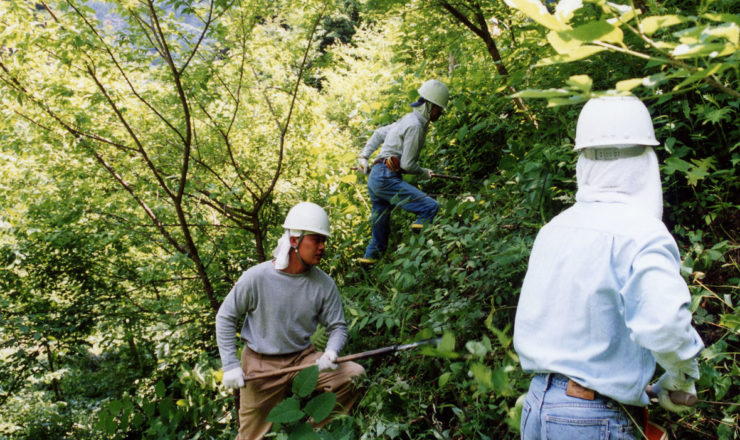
565,9
712,50
548,93
732,18
700,75
597,31
563,42
650,25
482,374
581,82
535,10
578,54
628,84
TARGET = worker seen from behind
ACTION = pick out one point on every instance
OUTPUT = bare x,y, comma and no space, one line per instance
279,304
603,298
401,142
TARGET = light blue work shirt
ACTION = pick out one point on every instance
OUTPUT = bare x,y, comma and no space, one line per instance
603,299
403,139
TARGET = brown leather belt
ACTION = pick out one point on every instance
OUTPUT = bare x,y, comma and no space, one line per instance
393,163
576,390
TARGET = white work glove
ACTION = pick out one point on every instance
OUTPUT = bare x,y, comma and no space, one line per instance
669,382
233,378
427,174
364,167
327,361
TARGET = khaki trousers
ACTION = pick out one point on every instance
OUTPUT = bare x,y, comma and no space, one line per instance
259,397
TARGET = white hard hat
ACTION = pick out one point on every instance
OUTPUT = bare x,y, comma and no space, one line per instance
436,92
309,217
613,121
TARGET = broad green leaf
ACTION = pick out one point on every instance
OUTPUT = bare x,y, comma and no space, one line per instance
115,407
482,374
673,164
733,18
535,10
597,31
701,74
348,178
502,335
548,93
476,348
287,411
305,381
650,25
501,382
581,82
443,379
578,54
571,100
563,42
160,390
304,432
731,321
712,50
320,406
628,84
447,343
706,34
728,31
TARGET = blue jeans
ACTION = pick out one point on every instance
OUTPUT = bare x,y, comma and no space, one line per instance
550,414
386,189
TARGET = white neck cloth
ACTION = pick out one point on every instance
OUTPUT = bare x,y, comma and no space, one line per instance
282,250
424,110
634,181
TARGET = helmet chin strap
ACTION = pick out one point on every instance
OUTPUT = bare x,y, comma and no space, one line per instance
297,254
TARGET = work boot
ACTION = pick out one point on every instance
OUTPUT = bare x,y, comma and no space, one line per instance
417,227
367,261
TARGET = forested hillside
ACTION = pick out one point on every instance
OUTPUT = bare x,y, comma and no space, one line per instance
148,156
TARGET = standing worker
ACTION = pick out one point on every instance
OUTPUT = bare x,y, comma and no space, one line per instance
402,142
283,301
603,298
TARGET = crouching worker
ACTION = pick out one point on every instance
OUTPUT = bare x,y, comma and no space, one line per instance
603,298
281,302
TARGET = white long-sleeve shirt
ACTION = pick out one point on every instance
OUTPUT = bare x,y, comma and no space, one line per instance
403,139
280,312
603,299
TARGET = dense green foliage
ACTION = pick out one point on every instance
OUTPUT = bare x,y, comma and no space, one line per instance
147,158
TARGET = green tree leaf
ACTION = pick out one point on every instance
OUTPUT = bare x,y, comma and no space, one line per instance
304,432
650,25
287,411
535,10
320,406
305,381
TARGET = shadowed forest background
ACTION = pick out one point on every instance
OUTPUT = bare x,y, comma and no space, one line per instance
149,151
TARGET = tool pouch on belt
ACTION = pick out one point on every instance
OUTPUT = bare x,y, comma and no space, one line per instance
393,164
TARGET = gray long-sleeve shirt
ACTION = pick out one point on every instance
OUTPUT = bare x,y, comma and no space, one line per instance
280,312
403,138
